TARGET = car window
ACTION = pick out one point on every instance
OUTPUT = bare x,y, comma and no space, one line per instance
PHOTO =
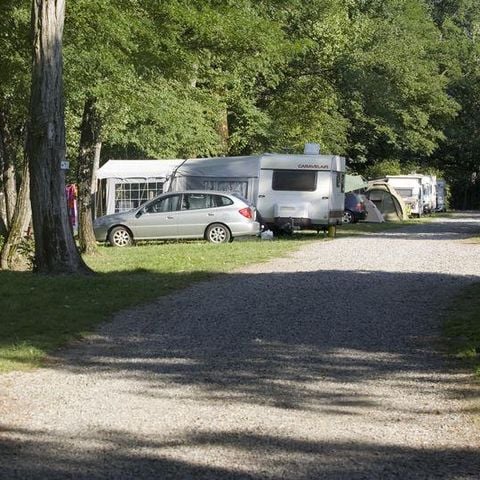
164,204
196,201
221,201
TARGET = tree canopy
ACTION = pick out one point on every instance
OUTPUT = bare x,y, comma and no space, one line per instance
382,82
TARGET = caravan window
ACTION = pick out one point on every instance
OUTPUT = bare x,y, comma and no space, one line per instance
295,180
404,192
239,186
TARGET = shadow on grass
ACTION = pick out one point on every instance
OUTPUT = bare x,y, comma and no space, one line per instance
41,313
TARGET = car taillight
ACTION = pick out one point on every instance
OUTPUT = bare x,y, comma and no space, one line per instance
246,212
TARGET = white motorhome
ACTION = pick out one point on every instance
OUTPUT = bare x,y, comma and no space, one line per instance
304,191
441,195
429,186
410,188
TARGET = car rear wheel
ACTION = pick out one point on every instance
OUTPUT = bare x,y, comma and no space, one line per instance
120,237
218,233
348,217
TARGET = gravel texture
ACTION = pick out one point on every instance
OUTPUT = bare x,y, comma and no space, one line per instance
321,365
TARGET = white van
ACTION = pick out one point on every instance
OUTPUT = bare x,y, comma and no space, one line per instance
304,191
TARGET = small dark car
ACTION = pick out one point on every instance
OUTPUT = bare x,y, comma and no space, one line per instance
355,209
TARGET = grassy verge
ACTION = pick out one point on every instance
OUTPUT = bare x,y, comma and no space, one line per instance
462,328
41,313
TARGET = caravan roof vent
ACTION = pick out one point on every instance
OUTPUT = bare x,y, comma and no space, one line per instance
311,149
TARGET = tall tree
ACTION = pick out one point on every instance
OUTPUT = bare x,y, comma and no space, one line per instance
55,249
458,155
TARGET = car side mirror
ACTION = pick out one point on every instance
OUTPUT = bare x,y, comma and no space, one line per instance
140,213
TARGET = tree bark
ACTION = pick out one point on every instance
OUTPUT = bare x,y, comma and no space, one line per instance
10,257
55,249
223,132
3,216
87,156
8,169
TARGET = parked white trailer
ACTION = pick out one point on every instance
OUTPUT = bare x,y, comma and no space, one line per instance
429,186
410,188
304,191
441,195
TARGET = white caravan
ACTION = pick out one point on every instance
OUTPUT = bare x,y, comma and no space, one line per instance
429,186
441,195
410,188
304,191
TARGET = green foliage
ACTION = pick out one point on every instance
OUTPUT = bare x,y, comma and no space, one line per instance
377,80
459,23
14,72
383,168
396,95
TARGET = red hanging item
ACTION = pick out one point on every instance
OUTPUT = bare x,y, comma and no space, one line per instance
71,194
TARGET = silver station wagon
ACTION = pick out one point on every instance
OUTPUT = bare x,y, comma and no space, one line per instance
218,217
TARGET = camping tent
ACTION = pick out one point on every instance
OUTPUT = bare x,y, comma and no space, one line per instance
354,182
126,184
387,200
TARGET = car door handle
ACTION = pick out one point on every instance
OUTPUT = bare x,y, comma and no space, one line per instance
261,196
169,218
211,214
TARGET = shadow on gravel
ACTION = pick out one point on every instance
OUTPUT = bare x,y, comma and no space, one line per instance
299,341
250,456
287,340
443,230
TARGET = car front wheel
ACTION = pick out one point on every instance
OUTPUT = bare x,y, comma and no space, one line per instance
218,233
120,237
348,217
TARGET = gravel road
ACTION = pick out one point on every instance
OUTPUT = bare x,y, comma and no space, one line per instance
321,365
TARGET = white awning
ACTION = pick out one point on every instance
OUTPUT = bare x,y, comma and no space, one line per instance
123,169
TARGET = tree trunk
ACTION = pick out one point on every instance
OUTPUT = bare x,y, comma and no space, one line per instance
8,169
3,216
87,156
96,165
10,257
55,249
223,132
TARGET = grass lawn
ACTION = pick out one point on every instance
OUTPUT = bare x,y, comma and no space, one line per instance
462,328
